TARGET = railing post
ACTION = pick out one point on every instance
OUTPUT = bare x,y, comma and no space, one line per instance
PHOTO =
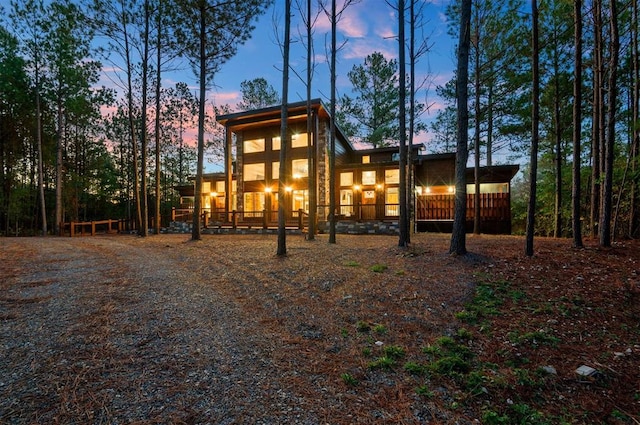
234,219
265,221
300,219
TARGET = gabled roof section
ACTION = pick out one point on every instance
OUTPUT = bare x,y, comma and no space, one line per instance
243,120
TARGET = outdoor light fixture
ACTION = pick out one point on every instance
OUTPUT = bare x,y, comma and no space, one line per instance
267,190
451,189
379,186
356,187
288,189
213,194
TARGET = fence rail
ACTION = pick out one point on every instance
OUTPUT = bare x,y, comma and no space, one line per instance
92,228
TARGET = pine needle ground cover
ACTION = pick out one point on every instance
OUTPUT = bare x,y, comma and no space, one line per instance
121,329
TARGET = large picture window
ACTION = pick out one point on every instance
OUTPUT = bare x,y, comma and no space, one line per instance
254,145
252,172
299,168
346,179
299,140
369,177
391,176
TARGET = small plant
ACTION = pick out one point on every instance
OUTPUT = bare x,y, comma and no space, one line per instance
384,362
490,417
380,329
464,334
424,391
366,352
534,339
393,351
344,332
363,326
414,368
349,379
352,263
379,268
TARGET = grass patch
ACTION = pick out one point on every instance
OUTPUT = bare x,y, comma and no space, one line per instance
378,268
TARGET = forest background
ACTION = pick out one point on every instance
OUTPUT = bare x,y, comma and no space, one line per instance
72,150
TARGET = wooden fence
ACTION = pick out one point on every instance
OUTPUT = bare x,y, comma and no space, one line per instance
92,228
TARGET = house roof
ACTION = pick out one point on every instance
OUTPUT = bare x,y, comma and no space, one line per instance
271,115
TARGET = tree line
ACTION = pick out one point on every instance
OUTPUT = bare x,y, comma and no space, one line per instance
72,151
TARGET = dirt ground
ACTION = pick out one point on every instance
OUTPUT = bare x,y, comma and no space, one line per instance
122,329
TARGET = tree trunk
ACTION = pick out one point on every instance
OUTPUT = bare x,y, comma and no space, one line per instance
634,216
597,123
196,233
158,217
558,142
144,230
607,194
283,181
403,240
476,137
43,204
577,127
535,120
458,234
311,234
332,143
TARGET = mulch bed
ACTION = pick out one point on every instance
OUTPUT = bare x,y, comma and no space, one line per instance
121,329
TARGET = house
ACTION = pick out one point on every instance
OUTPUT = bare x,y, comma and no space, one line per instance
366,181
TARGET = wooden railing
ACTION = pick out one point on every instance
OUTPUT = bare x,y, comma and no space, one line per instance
493,206
235,219
92,228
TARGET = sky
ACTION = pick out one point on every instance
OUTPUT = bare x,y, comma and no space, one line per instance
365,27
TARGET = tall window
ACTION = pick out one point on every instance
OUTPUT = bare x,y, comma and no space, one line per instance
275,170
391,201
300,201
299,168
252,172
346,202
254,145
275,143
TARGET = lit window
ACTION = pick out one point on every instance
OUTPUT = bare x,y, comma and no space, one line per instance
253,204
346,202
252,172
299,168
366,159
275,143
346,179
255,145
368,177
220,186
275,170
392,176
391,201
299,140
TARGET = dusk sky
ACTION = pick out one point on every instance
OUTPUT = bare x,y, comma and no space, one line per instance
366,27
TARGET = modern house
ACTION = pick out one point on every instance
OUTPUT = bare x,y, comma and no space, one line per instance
366,181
